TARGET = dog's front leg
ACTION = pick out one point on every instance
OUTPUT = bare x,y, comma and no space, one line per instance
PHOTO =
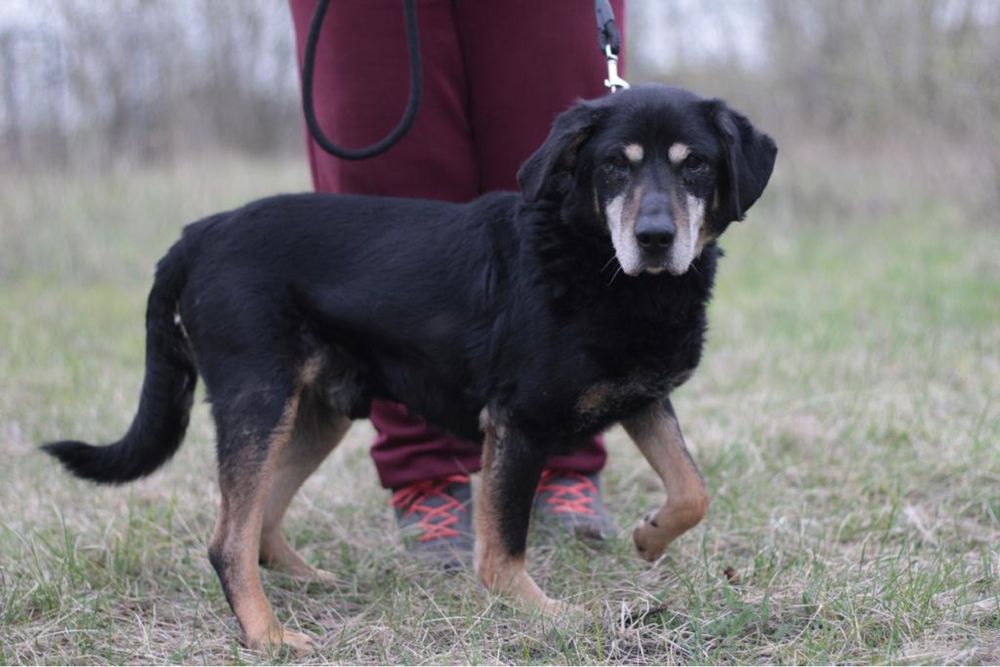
658,435
511,469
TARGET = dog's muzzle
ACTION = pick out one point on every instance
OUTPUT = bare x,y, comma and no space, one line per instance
655,230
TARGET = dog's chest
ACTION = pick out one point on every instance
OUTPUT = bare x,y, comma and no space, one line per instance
645,362
600,353
614,398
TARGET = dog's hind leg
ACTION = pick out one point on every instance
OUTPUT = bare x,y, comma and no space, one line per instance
255,427
510,474
316,433
658,435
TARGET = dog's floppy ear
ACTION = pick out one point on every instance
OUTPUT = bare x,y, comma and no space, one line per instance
550,167
749,157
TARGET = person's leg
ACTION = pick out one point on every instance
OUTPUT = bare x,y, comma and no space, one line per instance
360,89
527,61
357,101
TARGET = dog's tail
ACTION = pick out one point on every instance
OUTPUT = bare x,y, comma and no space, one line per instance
167,391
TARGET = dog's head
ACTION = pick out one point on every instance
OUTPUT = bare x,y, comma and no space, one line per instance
664,170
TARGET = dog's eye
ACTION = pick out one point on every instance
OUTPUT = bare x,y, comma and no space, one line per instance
618,162
695,165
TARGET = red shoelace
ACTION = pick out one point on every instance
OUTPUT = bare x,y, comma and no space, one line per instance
574,498
436,521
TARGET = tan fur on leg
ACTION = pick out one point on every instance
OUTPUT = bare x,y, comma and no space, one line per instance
659,438
499,571
313,439
235,546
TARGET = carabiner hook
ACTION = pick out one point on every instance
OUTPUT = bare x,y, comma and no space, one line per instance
613,82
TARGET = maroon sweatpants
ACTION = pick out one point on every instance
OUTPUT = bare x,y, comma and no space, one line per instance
496,73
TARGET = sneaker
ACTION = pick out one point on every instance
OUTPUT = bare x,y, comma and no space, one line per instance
435,519
571,501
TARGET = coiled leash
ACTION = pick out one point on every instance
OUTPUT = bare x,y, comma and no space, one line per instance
412,104
608,38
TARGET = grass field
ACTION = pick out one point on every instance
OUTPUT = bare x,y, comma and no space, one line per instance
846,416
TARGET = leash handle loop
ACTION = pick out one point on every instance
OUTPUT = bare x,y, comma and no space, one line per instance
608,37
412,104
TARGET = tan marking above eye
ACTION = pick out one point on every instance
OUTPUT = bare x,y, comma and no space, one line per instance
678,152
634,153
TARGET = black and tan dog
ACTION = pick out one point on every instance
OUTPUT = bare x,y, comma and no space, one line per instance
506,319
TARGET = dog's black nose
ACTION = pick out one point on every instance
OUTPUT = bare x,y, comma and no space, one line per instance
655,234
655,229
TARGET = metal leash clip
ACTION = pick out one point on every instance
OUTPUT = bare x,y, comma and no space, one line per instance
613,82
609,41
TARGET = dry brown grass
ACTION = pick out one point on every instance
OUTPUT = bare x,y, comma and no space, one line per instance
846,417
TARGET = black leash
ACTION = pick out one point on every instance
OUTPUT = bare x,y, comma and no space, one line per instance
412,105
608,39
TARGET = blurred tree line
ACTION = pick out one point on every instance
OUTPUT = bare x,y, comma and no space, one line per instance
856,66
866,93
85,82
88,82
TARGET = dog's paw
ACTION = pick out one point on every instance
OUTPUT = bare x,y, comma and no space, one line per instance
650,539
323,577
278,638
299,642
314,575
559,609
